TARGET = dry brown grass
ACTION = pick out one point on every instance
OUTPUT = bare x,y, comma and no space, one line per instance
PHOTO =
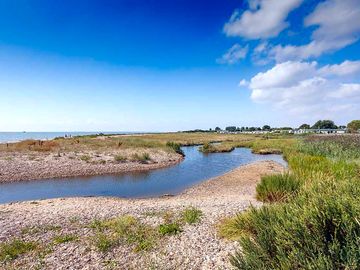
134,142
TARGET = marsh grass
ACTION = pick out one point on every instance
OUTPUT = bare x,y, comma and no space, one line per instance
319,227
216,148
143,158
277,187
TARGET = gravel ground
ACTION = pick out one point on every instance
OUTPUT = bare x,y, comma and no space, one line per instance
17,166
196,247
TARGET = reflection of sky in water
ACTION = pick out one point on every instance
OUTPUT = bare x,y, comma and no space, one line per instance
195,168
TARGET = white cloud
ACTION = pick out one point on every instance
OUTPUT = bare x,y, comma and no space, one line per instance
234,55
302,88
349,90
345,68
338,25
264,19
283,75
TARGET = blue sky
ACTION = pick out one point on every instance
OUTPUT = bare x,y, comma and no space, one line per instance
173,65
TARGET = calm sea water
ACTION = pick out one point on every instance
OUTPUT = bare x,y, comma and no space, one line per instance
19,136
195,168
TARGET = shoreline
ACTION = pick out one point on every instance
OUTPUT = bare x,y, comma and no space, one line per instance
216,198
19,168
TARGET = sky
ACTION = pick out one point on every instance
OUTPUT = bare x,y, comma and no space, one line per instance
160,65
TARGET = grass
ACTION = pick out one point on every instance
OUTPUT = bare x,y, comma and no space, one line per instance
60,239
191,215
15,248
175,147
144,157
216,148
165,141
125,229
120,158
85,158
278,187
142,237
169,229
318,228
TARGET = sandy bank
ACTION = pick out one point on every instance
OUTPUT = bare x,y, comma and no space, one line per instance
197,247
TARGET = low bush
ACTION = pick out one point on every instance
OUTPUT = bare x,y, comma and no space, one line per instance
277,187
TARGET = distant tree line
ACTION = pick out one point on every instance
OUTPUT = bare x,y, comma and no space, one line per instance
352,126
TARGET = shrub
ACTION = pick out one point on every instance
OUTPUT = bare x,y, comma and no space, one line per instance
15,248
191,215
278,187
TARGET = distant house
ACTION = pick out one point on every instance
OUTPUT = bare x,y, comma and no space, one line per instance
320,131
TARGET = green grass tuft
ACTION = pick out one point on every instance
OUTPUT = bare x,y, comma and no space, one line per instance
60,239
15,248
191,215
278,187
169,228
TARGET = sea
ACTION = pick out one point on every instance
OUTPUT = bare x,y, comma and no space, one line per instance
6,137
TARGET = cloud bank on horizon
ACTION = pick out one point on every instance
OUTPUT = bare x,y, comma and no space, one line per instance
295,81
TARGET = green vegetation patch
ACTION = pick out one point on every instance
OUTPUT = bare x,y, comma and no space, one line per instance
278,187
143,158
60,239
169,229
15,248
125,229
176,147
120,158
85,158
318,228
216,148
191,215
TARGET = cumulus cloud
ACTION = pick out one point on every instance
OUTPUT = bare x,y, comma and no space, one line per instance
338,25
233,55
303,88
343,69
264,19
